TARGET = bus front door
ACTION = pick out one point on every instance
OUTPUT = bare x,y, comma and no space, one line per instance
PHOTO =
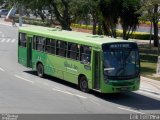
96,70
29,51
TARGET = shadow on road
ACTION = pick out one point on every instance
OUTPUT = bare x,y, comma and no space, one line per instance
130,99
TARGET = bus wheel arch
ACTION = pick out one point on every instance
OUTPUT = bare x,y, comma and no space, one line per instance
83,83
40,69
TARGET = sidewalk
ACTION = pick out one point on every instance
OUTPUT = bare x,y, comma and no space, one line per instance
2,22
150,85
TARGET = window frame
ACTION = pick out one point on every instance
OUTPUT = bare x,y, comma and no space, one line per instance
60,50
37,43
77,52
22,42
83,53
50,46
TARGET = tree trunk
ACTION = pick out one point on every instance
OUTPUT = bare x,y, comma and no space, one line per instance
41,15
124,32
155,24
94,32
150,41
64,19
105,28
100,28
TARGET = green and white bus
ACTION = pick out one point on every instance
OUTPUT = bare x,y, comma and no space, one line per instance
94,62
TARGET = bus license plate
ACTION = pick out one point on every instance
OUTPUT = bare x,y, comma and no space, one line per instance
124,88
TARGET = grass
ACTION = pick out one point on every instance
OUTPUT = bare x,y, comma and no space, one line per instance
148,63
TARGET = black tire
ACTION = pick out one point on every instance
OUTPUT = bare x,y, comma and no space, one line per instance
40,70
83,84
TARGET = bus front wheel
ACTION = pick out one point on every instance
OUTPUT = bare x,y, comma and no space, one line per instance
40,70
83,84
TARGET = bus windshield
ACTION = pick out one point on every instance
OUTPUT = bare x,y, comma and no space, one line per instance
121,63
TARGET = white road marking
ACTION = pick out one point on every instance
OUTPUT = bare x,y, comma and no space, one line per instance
57,87
1,69
8,40
62,91
23,79
95,102
13,40
131,110
69,93
80,96
3,40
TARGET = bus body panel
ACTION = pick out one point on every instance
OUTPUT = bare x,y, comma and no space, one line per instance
22,56
66,69
38,57
55,66
120,85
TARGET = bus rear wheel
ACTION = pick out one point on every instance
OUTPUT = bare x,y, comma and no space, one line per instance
83,84
40,70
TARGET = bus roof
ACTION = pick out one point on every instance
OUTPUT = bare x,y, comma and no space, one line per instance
70,36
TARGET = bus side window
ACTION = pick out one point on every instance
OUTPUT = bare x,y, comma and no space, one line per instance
47,45
50,46
34,42
40,42
22,39
73,51
53,45
61,48
85,55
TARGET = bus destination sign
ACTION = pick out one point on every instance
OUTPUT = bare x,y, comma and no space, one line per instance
114,46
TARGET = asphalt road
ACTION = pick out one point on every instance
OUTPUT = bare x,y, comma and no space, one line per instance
21,91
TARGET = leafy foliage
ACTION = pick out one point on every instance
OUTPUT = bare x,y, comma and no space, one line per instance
105,14
128,17
151,12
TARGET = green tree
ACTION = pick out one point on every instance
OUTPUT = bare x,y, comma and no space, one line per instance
89,10
61,10
128,17
151,13
110,11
